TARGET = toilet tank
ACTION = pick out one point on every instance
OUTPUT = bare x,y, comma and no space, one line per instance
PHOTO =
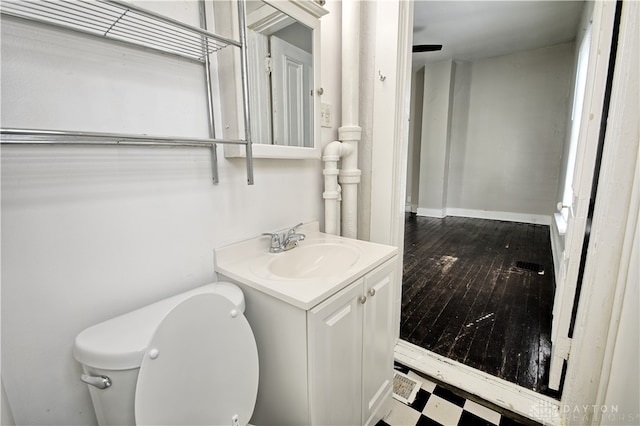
115,349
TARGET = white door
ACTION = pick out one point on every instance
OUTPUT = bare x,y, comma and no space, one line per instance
292,98
378,341
335,358
577,220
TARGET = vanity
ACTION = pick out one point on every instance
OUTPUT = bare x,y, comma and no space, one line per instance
323,317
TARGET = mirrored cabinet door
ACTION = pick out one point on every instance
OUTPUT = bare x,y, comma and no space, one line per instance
283,49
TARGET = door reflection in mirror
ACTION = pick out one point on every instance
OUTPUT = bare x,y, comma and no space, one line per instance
280,77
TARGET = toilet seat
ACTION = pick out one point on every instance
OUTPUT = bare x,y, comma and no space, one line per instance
207,375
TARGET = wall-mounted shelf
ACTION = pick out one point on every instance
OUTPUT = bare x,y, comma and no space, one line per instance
123,22
126,23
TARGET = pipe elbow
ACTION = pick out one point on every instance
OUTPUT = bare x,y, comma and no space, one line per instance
335,150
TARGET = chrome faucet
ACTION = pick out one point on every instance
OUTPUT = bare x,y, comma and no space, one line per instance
292,237
287,241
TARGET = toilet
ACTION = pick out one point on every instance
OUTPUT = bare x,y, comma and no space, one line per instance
187,360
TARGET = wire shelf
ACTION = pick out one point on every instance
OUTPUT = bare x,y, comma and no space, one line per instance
121,21
126,23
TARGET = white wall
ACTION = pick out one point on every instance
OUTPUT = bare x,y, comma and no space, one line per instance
6,417
331,78
508,157
507,129
624,379
92,232
415,134
435,141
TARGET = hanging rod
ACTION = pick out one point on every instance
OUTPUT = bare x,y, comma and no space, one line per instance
65,137
123,22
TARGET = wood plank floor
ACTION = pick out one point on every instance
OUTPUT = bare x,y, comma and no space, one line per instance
465,297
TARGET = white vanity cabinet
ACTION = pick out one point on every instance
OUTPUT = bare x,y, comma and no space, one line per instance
350,340
324,316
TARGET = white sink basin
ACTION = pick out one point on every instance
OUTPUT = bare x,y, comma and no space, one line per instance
319,266
314,260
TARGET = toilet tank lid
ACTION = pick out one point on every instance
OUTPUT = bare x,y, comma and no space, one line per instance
120,343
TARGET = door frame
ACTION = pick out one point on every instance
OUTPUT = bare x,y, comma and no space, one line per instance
586,370
586,167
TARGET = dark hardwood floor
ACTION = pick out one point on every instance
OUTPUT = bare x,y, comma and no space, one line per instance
466,296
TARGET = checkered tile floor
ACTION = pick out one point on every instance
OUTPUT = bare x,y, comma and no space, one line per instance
435,405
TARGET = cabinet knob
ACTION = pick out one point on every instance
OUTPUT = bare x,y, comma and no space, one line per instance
362,299
372,292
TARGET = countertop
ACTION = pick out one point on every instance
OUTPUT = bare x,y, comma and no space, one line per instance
239,262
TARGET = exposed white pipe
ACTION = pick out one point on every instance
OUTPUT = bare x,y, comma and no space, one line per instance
349,133
350,61
332,191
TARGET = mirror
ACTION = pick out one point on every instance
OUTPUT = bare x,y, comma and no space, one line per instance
280,77
283,78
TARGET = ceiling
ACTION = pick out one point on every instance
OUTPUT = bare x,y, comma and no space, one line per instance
479,29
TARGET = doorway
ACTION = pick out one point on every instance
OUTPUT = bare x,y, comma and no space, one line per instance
492,137
580,377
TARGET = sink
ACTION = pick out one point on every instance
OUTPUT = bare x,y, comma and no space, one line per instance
304,276
314,260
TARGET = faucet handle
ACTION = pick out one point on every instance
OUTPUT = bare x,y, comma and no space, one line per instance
275,239
294,229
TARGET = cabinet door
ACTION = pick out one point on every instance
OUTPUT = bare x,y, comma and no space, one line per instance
335,358
378,341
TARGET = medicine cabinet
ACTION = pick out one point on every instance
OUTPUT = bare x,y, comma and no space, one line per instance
283,61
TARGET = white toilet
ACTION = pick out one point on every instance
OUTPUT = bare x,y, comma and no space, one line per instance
187,360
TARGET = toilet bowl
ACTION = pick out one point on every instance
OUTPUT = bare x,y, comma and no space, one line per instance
186,360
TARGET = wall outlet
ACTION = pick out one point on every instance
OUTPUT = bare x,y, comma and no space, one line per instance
325,115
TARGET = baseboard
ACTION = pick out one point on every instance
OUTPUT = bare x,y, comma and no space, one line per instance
439,213
539,219
509,396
